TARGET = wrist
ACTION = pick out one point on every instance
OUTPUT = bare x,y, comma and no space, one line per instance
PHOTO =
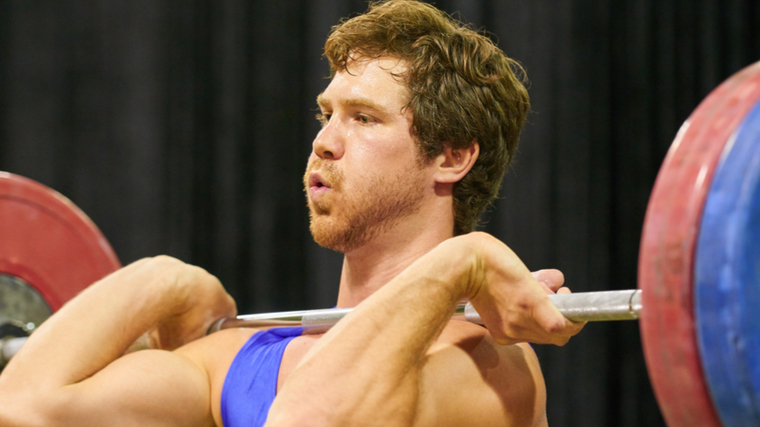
160,285
464,263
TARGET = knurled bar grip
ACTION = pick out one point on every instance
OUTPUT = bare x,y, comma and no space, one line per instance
578,307
586,306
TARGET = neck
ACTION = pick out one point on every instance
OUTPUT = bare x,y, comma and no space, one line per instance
368,268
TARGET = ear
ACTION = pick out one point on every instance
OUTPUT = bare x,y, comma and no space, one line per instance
453,164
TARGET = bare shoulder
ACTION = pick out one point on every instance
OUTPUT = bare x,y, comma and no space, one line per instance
469,379
214,354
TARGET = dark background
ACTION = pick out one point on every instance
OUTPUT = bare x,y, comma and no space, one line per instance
183,127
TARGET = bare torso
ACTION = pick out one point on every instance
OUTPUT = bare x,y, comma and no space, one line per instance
215,354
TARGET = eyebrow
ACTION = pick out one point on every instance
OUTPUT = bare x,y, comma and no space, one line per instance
353,102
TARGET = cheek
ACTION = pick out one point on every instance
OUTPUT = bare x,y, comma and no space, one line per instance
387,149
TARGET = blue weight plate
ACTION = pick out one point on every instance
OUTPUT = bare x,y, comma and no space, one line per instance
727,280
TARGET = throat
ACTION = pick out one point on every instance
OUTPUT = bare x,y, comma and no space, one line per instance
368,269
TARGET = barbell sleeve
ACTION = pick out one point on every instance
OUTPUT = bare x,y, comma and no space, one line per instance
599,306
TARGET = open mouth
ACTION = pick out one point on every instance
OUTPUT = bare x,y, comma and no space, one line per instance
317,182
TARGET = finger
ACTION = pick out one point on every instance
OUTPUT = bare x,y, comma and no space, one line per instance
564,290
558,328
572,329
553,278
231,306
546,288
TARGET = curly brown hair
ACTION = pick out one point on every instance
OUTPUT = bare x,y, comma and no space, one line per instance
463,89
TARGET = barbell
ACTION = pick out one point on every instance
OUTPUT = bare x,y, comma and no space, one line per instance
699,266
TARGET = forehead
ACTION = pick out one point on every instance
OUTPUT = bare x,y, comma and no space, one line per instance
379,80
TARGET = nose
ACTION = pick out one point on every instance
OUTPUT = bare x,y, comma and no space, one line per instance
328,145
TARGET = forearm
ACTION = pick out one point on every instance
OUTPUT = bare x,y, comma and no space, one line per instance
91,331
366,369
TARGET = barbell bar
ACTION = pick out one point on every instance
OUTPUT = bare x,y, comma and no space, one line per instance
699,278
579,307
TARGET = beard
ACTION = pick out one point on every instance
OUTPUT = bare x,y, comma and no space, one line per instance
371,207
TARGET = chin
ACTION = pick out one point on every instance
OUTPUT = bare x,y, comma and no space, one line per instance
337,233
326,235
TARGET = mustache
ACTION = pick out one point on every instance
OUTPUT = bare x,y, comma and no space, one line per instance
327,170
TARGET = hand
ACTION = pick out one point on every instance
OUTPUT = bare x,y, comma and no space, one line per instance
512,302
551,281
197,299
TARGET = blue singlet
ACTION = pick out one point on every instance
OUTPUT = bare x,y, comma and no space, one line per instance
251,383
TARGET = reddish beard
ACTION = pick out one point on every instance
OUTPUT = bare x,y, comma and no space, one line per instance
373,205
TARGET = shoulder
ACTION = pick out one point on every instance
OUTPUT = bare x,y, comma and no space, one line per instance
212,351
469,379
214,354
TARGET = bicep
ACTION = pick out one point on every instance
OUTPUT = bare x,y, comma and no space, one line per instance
146,388
491,385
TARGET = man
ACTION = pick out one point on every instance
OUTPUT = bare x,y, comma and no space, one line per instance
419,121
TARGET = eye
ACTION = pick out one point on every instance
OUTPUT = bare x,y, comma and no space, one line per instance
364,119
323,118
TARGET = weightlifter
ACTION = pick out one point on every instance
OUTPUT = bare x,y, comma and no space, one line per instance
419,122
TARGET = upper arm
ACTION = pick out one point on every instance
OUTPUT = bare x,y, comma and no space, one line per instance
487,385
146,388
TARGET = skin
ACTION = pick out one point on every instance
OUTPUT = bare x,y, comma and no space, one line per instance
398,359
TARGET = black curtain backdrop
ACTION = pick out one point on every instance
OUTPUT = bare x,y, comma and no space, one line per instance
184,128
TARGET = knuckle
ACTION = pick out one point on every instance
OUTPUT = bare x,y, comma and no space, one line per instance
165,261
555,327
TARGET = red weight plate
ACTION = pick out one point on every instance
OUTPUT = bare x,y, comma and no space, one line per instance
48,242
666,258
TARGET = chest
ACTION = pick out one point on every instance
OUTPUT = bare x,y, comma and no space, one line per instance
451,335
294,352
